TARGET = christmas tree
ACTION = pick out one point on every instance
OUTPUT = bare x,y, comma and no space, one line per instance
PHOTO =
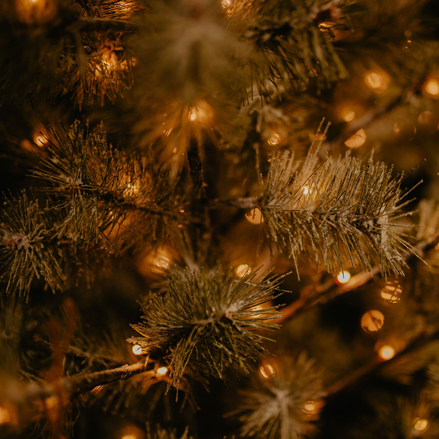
219,219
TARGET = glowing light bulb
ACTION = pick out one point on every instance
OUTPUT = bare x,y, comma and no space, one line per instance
356,140
420,424
432,87
40,140
343,277
5,417
392,292
274,139
129,436
309,407
377,81
372,321
267,371
162,370
192,114
226,3
242,270
349,116
306,190
137,349
255,216
386,352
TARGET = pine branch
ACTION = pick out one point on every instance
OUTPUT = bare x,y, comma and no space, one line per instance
375,366
76,384
207,320
330,290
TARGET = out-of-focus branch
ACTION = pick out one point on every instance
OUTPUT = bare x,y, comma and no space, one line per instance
376,365
329,290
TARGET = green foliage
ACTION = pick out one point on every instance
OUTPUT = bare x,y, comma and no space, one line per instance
280,404
207,319
337,211
109,196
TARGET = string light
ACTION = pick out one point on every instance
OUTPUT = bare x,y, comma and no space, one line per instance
267,371
392,291
372,321
129,436
226,3
254,216
343,277
431,86
309,407
274,139
377,81
40,140
162,371
386,352
5,417
348,115
242,270
306,190
192,114
421,424
356,140
137,349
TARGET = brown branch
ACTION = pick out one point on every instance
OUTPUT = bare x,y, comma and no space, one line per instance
93,24
86,382
329,290
375,366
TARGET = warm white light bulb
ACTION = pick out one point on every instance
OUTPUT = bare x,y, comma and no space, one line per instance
137,349
162,370
242,270
254,216
343,277
386,352
420,424
267,371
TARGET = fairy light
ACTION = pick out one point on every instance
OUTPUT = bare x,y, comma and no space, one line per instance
386,352
242,270
348,116
40,141
192,114
137,349
267,371
306,190
309,407
343,277
432,87
392,292
376,81
226,3
372,321
356,140
162,371
254,216
5,417
274,140
421,424
129,436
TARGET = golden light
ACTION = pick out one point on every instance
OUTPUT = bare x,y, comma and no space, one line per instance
137,349
226,3
306,190
131,432
420,424
5,417
202,112
376,80
356,140
129,436
309,407
254,216
343,277
192,114
348,116
267,371
40,140
392,292
274,140
386,352
162,370
372,321
242,270
432,87
425,118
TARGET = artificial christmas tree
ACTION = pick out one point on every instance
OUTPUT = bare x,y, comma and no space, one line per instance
213,222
